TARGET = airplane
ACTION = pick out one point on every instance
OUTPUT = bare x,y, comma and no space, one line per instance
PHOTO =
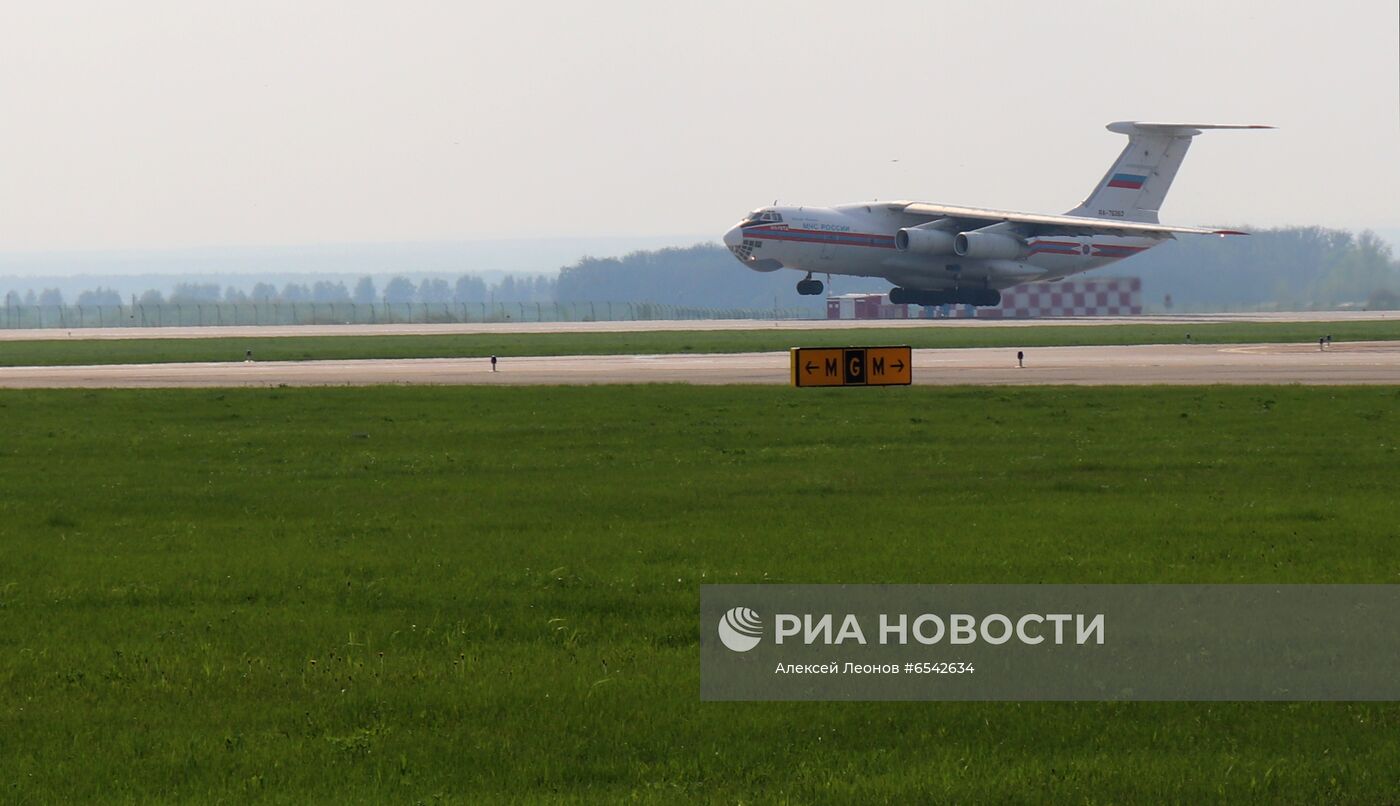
938,254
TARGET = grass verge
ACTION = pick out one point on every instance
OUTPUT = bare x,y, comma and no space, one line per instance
146,351
491,593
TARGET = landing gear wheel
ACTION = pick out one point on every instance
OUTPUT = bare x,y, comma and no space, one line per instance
947,296
810,288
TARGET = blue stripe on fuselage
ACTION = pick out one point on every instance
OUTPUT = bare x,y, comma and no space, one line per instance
815,236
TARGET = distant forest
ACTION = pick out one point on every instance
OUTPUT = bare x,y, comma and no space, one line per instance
1289,269
1292,268
467,288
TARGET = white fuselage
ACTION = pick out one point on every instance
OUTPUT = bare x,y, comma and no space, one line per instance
859,240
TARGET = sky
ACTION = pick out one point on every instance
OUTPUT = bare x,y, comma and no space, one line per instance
166,125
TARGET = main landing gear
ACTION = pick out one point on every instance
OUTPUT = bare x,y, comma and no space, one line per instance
809,287
947,296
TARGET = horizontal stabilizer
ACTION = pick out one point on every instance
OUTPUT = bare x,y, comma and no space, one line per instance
1176,129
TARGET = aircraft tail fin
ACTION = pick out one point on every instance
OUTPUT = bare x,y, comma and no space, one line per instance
1134,188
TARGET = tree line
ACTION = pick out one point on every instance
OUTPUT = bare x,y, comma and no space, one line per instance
1284,268
467,288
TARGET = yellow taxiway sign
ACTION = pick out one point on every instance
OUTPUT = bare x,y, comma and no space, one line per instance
852,366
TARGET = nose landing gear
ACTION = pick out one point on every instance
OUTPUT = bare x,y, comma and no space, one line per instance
809,287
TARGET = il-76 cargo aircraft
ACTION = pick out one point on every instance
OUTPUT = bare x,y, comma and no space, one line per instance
938,254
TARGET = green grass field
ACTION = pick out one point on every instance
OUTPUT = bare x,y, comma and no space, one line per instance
140,351
490,594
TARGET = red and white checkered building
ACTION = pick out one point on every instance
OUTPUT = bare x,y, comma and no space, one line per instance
1103,296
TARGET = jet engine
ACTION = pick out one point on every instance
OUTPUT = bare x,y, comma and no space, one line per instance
987,245
924,241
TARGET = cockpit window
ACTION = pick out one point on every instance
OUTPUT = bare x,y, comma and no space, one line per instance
764,216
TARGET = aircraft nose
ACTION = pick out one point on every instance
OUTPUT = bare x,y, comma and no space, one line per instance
734,236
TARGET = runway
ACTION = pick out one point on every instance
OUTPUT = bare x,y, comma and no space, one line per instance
275,331
1342,364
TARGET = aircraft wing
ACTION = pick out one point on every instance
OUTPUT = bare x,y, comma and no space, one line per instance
1058,224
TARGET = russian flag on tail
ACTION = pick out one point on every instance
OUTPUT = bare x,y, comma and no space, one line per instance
1127,181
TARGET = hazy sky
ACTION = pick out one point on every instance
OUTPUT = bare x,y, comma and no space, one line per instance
171,124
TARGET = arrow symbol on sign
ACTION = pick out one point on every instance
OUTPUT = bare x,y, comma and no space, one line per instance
811,367
899,366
